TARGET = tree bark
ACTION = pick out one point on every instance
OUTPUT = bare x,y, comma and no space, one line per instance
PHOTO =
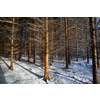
29,53
1,42
20,53
87,44
66,45
69,42
60,52
97,45
52,40
34,49
25,50
11,67
76,41
46,75
7,47
43,45
94,53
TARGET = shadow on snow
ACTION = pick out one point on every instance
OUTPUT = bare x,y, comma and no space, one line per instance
39,76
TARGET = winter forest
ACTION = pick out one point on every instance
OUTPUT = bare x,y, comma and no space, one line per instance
49,50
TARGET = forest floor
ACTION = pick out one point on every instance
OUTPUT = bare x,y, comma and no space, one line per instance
28,73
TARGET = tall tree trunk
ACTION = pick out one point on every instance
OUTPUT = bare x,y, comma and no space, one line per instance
76,41
94,53
25,50
51,55
46,75
11,67
20,53
52,45
8,46
69,42
43,45
66,45
61,38
83,57
34,49
1,43
17,54
97,45
29,53
40,46
60,46
87,44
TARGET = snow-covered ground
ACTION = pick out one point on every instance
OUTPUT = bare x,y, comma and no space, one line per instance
28,73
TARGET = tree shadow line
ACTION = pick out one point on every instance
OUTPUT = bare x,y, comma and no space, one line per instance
5,63
74,79
70,78
23,60
3,79
39,76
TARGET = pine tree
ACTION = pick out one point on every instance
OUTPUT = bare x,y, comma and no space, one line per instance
60,38
20,41
34,48
87,35
29,53
76,40
1,42
94,53
8,43
68,40
43,64
46,75
66,47
25,50
11,67
51,41
97,45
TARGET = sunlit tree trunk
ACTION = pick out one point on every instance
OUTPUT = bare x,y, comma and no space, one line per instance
66,45
11,67
94,53
97,45
46,75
